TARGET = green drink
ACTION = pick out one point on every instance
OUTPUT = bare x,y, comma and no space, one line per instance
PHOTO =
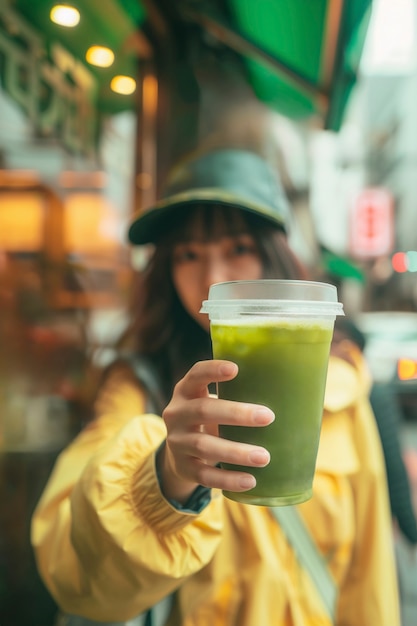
283,366
279,333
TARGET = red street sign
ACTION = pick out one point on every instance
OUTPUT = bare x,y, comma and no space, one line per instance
372,223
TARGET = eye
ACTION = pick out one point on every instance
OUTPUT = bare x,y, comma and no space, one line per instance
184,254
244,245
242,248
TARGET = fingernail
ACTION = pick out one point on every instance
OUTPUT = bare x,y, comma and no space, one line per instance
263,415
260,457
248,482
227,369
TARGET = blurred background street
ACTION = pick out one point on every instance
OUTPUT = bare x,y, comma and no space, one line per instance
97,100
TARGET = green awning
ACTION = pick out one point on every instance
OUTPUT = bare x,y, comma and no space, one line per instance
341,267
301,56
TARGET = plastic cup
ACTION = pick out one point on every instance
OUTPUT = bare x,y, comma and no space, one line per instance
279,334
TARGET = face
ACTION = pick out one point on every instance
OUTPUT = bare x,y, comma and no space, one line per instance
198,263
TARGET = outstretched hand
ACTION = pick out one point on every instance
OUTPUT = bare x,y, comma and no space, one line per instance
193,448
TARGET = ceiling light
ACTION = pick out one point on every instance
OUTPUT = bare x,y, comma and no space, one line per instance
124,85
407,369
65,15
100,56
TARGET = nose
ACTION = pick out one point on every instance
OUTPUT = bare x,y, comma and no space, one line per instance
216,270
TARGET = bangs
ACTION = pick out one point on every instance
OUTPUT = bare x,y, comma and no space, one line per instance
208,222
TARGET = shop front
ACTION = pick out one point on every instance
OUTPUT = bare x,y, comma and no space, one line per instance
66,180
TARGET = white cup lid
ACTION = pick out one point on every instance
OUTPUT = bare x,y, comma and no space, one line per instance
269,296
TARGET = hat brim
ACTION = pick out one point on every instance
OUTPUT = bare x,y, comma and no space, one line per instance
148,226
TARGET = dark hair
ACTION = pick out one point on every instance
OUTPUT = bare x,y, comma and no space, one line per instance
160,327
344,328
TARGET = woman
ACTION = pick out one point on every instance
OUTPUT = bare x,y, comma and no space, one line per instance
133,516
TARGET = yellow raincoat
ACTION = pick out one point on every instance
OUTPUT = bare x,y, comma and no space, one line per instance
108,545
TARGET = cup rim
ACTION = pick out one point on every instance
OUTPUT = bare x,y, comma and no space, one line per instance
272,296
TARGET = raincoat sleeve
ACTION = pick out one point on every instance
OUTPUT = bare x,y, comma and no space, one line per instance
368,588
108,545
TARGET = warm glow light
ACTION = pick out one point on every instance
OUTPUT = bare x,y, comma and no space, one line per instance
407,369
150,95
100,56
65,15
91,224
21,221
125,85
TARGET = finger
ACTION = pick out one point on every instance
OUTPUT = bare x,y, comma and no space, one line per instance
211,411
218,478
203,373
214,450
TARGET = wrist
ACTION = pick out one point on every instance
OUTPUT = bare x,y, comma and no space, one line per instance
172,487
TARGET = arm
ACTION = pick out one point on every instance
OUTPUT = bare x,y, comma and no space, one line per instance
92,507
108,543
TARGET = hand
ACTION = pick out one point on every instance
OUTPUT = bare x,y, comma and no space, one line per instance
193,447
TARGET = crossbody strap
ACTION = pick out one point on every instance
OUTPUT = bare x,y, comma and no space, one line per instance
306,551
146,373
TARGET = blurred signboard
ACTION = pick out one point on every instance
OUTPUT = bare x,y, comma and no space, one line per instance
55,90
372,223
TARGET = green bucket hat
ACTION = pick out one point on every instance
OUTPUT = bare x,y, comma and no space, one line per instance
235,178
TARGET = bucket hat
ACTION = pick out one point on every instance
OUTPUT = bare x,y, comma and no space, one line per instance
230,177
